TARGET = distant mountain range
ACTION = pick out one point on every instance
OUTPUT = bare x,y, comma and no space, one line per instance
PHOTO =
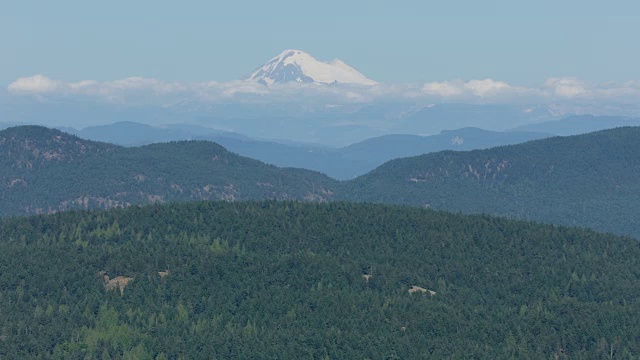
587,180
580,124
333,124
344,125
350,161
311,119
339,163
129,133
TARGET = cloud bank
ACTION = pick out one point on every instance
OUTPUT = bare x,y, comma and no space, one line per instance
140,89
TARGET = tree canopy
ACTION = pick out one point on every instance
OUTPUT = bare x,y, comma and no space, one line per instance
271,279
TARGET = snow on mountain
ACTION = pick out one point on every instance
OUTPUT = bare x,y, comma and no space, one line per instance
298,66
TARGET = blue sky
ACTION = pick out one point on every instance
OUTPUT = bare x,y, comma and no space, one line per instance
401,41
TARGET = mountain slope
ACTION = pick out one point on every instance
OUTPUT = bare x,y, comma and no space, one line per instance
587,180
285,280
362,157
298,66
45,170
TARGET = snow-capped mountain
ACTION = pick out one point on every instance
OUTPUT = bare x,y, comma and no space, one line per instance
298,66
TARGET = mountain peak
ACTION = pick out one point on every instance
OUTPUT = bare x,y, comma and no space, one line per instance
298,66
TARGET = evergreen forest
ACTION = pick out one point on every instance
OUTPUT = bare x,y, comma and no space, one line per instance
293,280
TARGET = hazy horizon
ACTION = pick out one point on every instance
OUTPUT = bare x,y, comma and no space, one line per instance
79,64
414,41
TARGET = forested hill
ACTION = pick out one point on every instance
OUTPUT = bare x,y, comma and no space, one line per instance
290,280
45,170
587,180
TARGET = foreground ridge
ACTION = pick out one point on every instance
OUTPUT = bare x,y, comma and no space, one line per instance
283,279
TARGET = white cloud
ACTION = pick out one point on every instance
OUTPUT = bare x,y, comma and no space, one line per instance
238,87
143,84
83,84
154,91
37,84
487,87
484,89
444,89
566,87
40,84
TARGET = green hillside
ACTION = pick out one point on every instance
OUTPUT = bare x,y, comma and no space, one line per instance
266,280
45,170
587,180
